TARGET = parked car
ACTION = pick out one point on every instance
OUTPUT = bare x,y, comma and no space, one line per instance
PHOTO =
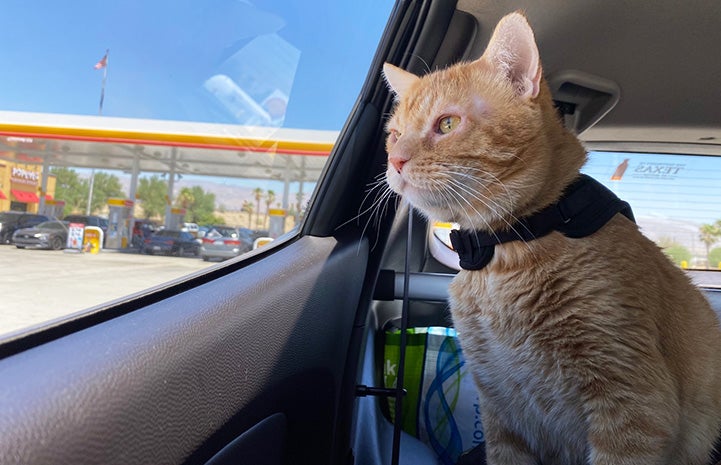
192,228
11,221
52,234
202,231
224,242
171,242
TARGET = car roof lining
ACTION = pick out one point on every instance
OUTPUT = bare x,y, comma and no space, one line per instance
651,52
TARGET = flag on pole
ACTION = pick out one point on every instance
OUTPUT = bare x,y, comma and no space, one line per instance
102,63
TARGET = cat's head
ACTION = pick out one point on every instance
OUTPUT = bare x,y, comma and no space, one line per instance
480,143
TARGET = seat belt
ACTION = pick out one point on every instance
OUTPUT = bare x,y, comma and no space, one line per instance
399,391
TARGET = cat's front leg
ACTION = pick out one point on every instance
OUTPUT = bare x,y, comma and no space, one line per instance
632,426
504,447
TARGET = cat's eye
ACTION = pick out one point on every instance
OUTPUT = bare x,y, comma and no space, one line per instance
448,124
393,136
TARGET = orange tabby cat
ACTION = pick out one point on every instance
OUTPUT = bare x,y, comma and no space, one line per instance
585,350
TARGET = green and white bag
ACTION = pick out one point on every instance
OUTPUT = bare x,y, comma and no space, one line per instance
441,406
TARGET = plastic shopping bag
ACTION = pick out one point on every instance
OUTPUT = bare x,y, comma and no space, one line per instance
441,407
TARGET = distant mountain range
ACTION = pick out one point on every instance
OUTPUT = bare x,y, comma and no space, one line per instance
227,196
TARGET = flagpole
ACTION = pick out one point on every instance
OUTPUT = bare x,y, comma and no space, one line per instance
102,88
100,113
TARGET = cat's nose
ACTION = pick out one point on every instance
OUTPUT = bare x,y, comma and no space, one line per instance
397,163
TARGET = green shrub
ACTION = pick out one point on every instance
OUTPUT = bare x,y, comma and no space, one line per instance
714,258
678,253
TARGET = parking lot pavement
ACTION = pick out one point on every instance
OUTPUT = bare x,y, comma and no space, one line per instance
41,285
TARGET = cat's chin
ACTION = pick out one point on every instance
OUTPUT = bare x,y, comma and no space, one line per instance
423,200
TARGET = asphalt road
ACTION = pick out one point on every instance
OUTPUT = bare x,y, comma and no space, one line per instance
37,286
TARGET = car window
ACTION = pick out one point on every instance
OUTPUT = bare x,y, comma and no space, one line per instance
32,219
220,113
222,232
51,225
676,200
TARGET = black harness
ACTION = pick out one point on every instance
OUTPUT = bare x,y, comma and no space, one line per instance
585,206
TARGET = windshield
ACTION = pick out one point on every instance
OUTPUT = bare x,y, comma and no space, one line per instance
51,225
223,232
7,217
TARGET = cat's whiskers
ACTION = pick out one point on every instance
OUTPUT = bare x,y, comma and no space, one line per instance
463,171
508,210
381,183
377,209
457,197
428,68
482,198
380,206
482,183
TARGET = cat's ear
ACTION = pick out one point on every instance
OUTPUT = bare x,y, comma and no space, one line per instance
398,80
512,51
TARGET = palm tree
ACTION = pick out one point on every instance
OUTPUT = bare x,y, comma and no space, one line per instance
269,199
258,194
248,208
299,205
709,235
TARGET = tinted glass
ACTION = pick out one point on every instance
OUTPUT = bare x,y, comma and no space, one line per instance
51,225
676,200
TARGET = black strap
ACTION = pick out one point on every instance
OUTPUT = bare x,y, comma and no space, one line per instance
400,379
584,208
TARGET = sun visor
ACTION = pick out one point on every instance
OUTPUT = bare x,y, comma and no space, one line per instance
582,99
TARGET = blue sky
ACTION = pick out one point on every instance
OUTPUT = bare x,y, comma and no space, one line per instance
162,54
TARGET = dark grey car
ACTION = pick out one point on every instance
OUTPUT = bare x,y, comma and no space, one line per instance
170,242
51,234
11,221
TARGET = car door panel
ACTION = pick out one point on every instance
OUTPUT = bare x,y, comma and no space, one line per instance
178,380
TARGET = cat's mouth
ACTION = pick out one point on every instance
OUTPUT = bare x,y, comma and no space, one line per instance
451,200
423,198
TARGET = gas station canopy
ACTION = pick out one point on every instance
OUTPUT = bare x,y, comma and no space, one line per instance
137,145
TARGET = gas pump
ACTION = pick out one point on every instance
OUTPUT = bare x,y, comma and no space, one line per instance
119,213
53,208
277,222
177,218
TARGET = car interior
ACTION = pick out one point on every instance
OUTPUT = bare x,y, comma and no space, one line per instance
277,357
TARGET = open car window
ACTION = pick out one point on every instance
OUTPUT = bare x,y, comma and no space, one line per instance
212,113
